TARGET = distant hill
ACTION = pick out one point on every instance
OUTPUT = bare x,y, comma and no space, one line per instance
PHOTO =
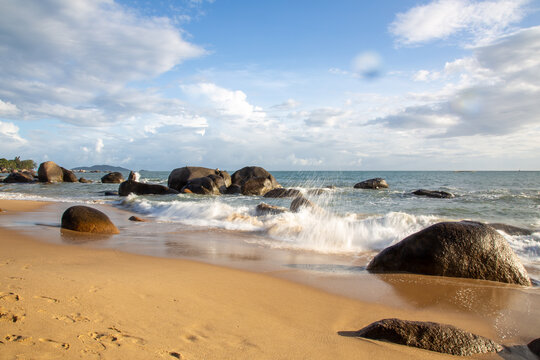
108,168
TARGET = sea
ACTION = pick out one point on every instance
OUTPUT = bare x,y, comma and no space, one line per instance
347,221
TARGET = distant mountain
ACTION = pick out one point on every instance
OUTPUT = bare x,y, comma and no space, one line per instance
101,168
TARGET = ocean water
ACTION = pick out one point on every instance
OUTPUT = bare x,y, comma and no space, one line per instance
348,221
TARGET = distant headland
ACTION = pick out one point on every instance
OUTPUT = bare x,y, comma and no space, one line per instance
108,168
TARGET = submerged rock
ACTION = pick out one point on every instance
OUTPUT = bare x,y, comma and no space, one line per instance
87,219
265,209
137,219
50,172
374,184
433,194
430,336
113,178
85,181
456,249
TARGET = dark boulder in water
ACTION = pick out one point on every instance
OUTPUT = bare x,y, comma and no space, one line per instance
254,180
373,184
85,181
136,219
510,229
50,172
87,219
456,249
433,194
113,178
131,186
534,346
442,338
202,186
282,193
301,202
179,178
19,177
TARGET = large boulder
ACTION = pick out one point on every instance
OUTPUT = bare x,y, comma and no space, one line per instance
178,178
433,194
19,177
50,172
88,220
132,186
113,178
373,184
202,186
252,180
282,193
457,249
534,346
430,336
68,175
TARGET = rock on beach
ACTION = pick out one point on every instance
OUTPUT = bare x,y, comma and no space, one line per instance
89,220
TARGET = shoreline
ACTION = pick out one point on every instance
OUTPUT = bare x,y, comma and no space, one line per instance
207,311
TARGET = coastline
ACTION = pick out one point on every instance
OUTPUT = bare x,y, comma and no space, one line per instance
73,301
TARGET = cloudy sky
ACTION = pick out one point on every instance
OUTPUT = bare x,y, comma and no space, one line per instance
287,85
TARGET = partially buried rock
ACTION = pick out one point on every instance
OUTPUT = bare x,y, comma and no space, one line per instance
430,336
50,172
19,177
282,193
265,209
137,219
113,178
457,249
433,194
373,184
131,186
88,220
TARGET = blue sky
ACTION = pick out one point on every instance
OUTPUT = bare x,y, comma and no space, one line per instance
287,85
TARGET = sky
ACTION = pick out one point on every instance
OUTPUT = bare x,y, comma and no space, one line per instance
286,85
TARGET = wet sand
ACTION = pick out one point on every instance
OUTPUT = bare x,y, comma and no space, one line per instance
93,301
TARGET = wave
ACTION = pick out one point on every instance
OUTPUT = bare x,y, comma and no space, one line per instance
34,197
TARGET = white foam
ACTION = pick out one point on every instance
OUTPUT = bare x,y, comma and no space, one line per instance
34,197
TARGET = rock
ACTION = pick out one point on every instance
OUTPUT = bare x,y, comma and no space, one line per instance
534,346
377,183
456,249
265,209
19,177
110,193
433,194
317,192
68,175
255,187
179,178
202,186
50,172
430,336
85,181
282,193
234,189
510,229
113,178
300,202
87,219
131,186
136,218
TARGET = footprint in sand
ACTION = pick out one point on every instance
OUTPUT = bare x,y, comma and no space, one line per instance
170,354
72,318
12,297
6,315
48,299
101,340
21,339
56,344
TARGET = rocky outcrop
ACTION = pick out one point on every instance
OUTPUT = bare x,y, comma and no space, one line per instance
433,194
254,180
131,186
19,177
265,209
301,202
282,193
374,184
113,178
50,172
510,229
68,175
456,249
88,220
202,186
179,178
430,336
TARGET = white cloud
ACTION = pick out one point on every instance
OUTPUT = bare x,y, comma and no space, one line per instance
8,109
99,146
329,117
10,132
426,75
480,21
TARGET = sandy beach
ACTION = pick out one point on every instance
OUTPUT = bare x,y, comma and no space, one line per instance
62,301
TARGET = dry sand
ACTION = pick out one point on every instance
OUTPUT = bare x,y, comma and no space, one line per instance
61,301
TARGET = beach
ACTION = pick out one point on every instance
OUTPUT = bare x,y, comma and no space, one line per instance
65,301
